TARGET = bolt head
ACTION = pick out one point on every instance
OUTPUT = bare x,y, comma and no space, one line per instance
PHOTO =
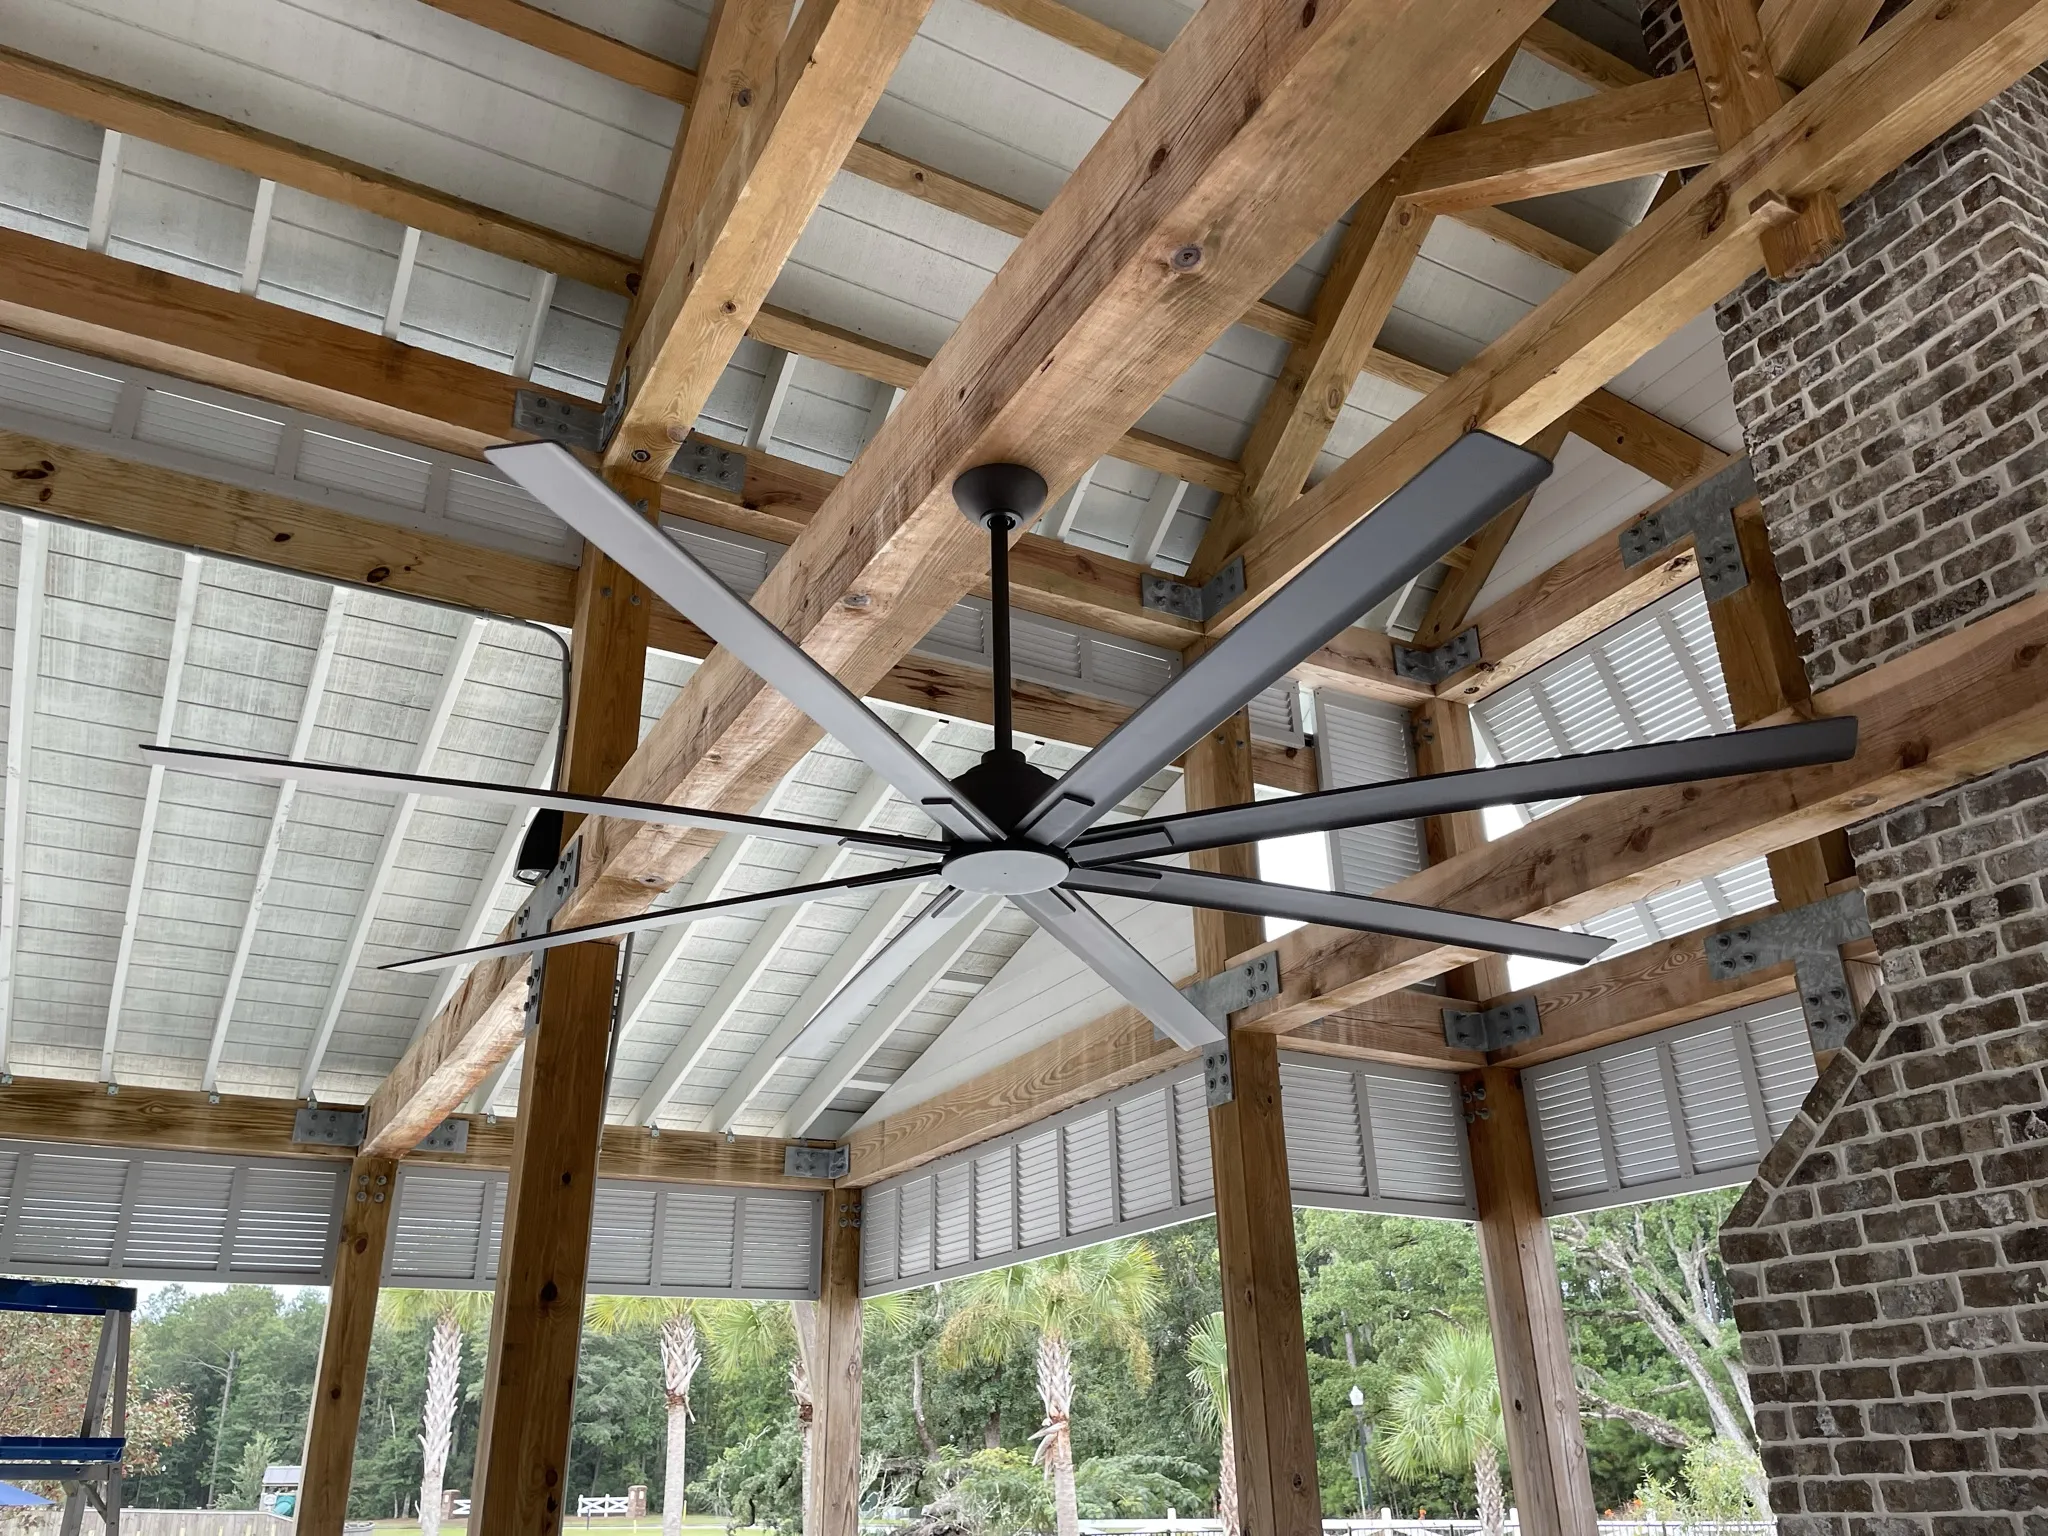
1186,258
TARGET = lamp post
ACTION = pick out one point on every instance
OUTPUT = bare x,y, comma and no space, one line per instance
1358,1466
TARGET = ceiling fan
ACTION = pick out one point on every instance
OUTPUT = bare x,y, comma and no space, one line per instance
1007,828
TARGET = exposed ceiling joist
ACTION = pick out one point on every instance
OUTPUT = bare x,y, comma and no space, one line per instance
25,665
1806,37
1088,323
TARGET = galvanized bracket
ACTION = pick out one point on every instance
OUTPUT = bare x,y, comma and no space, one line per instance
1811,937
1162,594
329,1127
816,1162
723,469
451,1135
1216,1075
1447,660
558,419
1707,513
1492,1029
539,912
1221,995
613,413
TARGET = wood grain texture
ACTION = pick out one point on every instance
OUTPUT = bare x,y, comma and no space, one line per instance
832,1491
1648,444
1658,125
1525,1314
1272,1421
755,184
368,1200
1908,82
1567,51
1219,773
1442,734
1079,31
1806,37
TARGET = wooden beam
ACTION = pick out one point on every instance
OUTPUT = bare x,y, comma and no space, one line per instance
1532,1351
1908,82
1638,130
1742,91
368,1200
246,1125
1302,405
1078,31
1272,1421
1219,773
1086,326
1567,51
1807,37
1648,444
832,1490
1451,603
1442,734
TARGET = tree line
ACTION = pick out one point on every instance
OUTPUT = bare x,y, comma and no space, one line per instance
1088,1385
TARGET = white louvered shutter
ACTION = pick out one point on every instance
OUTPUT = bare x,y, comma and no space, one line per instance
1362,741
1692,1107
1325,1143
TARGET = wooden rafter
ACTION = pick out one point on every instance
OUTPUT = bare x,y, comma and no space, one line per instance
1805,37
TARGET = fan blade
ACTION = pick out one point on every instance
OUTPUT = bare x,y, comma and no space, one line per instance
1228,893
731,906
1452,499
1088,936
277,769
1587,773
560,483
886,965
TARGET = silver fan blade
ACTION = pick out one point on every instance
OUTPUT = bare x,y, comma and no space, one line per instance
731,906
886,965
561,484
1432,925
1452,499
1088,936
277,769
1587,773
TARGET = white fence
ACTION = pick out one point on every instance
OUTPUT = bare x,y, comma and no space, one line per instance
602,1504
149,1522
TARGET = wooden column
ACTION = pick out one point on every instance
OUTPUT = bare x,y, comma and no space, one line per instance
1219,773
1525,1313
1272,1424
345,1346
537,1320
1442,732
832,1499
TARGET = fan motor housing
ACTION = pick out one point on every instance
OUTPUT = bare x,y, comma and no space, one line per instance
1011,492
1006,869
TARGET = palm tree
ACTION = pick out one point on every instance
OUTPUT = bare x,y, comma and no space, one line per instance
1445,1417
454,1313
1209,1375
674,1319
1100,1295
749,1334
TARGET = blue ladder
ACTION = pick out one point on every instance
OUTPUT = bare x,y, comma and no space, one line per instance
87,1463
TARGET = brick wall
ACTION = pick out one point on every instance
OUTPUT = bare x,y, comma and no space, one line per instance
1888,1261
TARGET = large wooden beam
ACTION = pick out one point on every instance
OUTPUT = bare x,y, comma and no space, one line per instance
1648,444
1805,37
367,1202
832,1490
247,1125
1272,1421
1639,130
1908,82
1525,1313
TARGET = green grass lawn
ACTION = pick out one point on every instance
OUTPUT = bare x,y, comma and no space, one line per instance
615,1525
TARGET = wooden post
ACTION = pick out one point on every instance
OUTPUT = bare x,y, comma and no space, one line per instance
1219,773
1525,1312
832,1499
1442,732
1272,1423
537,1321
345,1345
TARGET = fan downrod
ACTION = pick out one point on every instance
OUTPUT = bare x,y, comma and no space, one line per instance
1001,498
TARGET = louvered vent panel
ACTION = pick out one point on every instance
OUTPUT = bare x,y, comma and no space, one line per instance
1719,1127
879,1209
952,1230
1361,741
1038,1189
1144,1173
51,389
1325,1150
697,1240
1418,1138
964,629
69,1212
779,1244
1640,1115
494,1231
1191,1122
914,1230
178,421
1051,650
286,1218
493,503
1276,715
180,1216
622,1235
346,465
1090,1200
10,1161
1783,1054
995,1202
436,1232
1566,1116
1137,673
